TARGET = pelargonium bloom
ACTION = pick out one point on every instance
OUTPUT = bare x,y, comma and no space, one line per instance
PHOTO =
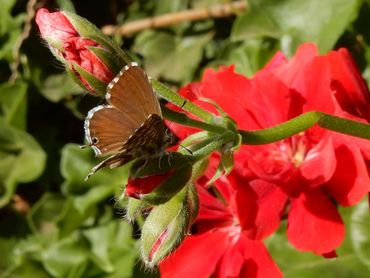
308,174
75,50
219,247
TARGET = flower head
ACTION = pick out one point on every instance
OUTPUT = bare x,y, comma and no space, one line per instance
218,246
305,175
84,50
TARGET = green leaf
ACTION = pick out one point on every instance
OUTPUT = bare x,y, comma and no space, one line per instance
76,163
66,5
22,160
322,22
45,214
170,6
251,55
13,101
161,49
57,87
360,232
111,244
10,29
65,256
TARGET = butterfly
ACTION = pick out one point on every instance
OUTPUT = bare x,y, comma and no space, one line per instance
130,124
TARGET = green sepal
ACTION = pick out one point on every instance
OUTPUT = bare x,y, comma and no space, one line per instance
179,164
98,86
88,30
133,208
227,161
225,120
107,58
193,202
159,164
166,225
169,187
74,76
194,138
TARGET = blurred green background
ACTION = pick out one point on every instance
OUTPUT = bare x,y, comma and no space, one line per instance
52,223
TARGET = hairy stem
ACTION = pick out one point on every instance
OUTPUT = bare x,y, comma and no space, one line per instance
167,94
302,123
185,120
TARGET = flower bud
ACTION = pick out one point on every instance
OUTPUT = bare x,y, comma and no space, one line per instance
90,57
167,225
160,178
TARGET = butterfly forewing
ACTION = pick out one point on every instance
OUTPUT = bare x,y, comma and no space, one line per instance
132,93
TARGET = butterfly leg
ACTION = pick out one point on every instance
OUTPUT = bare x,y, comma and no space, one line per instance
112,161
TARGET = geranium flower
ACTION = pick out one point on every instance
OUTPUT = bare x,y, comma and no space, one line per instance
65,38
306,175
218,246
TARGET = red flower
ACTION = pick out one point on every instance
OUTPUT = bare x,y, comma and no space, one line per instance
309,173
73,49
219,247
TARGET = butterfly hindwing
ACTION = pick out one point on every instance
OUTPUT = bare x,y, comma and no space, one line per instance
107,129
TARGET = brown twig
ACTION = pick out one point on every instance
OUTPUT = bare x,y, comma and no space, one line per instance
31,7
219,10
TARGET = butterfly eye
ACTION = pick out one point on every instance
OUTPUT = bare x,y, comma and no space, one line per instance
95,140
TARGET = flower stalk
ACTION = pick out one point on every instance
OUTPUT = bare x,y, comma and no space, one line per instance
169,95
302,123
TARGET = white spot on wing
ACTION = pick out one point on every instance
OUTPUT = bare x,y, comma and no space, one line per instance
89,116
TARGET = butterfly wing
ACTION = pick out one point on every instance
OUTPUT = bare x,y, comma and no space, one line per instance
107,129
131,93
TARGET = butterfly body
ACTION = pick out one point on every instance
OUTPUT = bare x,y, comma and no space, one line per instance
130,125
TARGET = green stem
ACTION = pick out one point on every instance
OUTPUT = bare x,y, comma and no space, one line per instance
302,123
206,147
167,94
185,120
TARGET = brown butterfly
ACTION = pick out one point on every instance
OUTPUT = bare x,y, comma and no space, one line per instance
130,125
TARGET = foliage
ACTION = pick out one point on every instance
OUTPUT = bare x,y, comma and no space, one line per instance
53,224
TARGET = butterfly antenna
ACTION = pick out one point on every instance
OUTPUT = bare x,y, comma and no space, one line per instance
182,105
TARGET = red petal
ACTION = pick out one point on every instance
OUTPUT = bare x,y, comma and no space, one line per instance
257,261
314,223
76,51
196,257
231,263
319,164
54,26
271,165
260,215
350,181
227,88
350,89
138,186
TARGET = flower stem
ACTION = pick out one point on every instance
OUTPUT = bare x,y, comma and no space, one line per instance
302,123
214,143
185,120
167,94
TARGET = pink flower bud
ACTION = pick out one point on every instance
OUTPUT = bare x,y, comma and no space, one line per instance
89,62
55,28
